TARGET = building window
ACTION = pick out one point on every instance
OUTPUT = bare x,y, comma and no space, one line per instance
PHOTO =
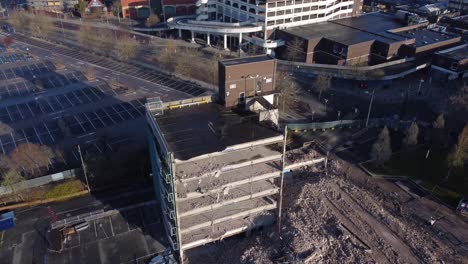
259,86
305,17
288,11
280,13
233,86
241,98
306,9
297,18
298,10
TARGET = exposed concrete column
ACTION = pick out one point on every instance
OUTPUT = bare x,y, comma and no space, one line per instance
240,39
193,36
208,39
225,42
180,33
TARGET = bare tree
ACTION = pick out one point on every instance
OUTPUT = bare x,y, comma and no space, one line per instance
460,98
294,49
411,138
321,84
81,7
105,42
20,20
288,89
437,131
116,8
439,122
168,53
126,48
459,155
8,41
11,179
381,149
28,157
184,63
152,20
5,164
86,36
41,26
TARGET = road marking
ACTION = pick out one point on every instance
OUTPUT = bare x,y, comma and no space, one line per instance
89,134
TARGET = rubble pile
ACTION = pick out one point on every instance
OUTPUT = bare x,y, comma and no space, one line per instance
344,216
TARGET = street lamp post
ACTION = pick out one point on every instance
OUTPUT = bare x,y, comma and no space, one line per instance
370,107
420,85
84,169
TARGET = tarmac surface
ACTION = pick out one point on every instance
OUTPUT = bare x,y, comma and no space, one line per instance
132,235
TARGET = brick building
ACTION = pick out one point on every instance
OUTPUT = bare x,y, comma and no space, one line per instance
135,9
245,78
369,39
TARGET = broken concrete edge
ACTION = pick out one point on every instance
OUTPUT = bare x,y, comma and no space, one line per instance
228,202
239,230
406,178
44,201
233,148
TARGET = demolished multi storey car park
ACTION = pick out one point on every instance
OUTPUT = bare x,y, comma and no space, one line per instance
217,172
347,217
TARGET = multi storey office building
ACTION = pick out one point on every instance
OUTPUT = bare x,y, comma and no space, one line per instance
257,20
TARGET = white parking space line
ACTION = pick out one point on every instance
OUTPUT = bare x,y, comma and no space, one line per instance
1,145
71,103
79,123
30,110
60,103
79,100
19,111
37,134
13,138
86,96
109,116
50,134
98,96
24,135
8,112
89,120
100,119
133,117
113,107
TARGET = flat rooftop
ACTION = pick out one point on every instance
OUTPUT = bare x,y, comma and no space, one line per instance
195,130
254,59
425,36
353,30
457,53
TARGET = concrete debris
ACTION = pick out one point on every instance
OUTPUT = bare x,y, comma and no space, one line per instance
300,155
344,216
